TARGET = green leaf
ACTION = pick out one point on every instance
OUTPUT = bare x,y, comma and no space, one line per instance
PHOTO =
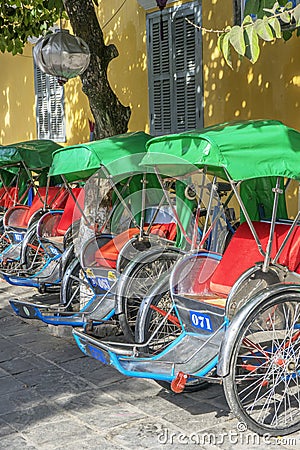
247,20
287,34
273,8
252,44
263,29
224,46
288,5
296,15
219,42
236,38
285,17
275,24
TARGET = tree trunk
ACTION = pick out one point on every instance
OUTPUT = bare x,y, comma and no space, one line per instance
111,117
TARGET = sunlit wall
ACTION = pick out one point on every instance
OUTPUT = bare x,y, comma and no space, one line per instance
268,89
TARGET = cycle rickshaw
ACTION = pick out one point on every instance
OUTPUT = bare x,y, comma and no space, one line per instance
124,214
237,314
28,196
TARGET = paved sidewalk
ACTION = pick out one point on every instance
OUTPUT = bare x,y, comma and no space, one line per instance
53,397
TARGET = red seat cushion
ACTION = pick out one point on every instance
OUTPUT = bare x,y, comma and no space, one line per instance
242,253
164,230
107,255
71,211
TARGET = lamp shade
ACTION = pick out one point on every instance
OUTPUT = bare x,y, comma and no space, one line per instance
62,54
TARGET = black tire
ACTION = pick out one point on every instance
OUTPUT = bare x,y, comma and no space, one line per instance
70,286
262,388
139,278
151,314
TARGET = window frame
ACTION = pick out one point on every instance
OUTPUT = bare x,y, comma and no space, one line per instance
168,15
48,81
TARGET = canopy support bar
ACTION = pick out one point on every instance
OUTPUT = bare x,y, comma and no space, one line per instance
198,212
33,185
172,207
75,200
109,177
114,207
245,212
277,191
275,259
142,220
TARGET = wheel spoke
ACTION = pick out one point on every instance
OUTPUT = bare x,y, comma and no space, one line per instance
267,369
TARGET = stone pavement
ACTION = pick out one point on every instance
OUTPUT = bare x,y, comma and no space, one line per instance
54,397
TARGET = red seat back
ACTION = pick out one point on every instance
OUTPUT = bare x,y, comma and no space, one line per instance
39,199
2,193
242,253
10,197
71,211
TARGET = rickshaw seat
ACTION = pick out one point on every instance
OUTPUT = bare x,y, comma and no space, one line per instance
242,253
2,193
71,211
108,254
20,215
10,195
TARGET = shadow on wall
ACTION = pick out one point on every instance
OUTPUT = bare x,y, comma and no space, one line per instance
128,74
268,89
77,113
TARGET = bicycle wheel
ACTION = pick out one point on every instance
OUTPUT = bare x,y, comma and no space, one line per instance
150,321
139,278
151,318
262,388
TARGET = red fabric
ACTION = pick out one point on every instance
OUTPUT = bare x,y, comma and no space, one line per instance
10,196
108,254
242,253
71,211
2,193
164,230
19,216
38,201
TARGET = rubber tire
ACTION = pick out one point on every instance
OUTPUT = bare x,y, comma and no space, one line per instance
131,273
142,335
72,269
229,383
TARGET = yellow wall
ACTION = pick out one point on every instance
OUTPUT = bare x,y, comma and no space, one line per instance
17,118
268,89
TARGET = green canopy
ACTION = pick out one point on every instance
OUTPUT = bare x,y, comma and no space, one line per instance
119,154
36,154
247,150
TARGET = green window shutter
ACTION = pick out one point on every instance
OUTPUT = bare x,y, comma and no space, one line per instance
175,72
49,107
161,79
